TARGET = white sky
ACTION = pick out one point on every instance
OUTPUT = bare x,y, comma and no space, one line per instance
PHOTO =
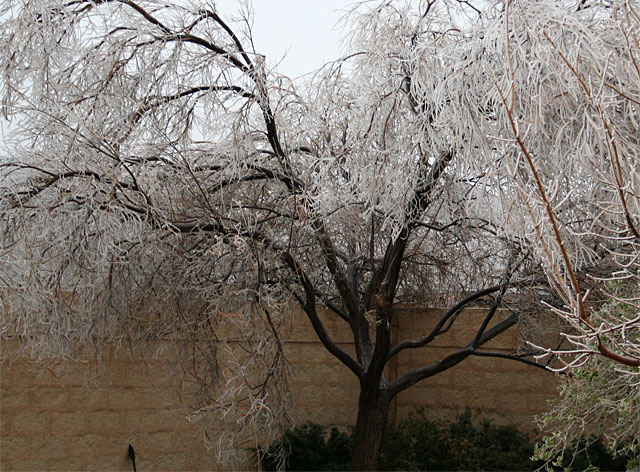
304,32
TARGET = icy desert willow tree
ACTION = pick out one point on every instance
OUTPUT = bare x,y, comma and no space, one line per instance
572,102
162,183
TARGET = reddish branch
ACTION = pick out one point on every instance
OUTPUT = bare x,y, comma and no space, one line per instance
582,313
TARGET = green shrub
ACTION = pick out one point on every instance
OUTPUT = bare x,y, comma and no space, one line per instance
309,448
469,442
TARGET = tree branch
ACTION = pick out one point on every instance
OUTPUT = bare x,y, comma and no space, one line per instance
309,306
440,327
513,357
411,378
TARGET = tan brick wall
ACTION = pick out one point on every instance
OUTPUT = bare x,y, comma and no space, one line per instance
62,422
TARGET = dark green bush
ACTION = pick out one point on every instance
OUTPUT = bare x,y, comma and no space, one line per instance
417,443
309,448
467,443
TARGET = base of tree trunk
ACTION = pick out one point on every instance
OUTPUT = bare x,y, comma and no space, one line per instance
373,407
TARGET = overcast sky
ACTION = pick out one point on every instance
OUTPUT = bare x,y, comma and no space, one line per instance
304,32
297,36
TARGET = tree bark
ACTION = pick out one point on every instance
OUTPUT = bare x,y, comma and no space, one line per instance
373,408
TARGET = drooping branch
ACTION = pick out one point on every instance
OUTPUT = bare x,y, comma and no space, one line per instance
153,102
209,14
577,297
611,142
185,38
309,306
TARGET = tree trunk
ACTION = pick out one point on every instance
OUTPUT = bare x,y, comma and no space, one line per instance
373,407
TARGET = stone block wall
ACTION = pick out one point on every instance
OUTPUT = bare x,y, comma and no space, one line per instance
78,419
63,421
